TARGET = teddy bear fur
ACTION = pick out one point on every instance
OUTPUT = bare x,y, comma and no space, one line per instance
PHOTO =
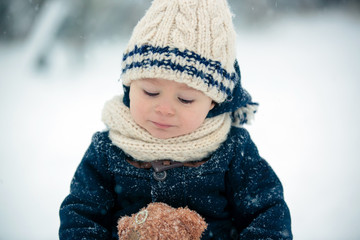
160,221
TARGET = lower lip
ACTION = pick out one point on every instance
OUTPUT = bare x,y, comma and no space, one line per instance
162,126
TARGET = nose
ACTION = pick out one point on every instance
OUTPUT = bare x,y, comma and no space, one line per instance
165,108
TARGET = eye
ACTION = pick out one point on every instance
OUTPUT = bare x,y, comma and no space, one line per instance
185,101
150,93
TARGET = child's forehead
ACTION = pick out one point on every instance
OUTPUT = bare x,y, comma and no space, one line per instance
165,82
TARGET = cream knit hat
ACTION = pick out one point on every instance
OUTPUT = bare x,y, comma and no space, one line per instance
191,42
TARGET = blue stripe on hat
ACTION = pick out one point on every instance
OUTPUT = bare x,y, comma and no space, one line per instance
240,98
191,57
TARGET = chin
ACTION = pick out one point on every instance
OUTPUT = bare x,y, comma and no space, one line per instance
163,136
163,133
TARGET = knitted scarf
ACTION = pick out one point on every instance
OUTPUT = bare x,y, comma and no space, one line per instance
139,144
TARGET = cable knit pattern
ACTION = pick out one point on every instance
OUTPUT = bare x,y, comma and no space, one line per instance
189,41
182,23
185,22
221,43
139,144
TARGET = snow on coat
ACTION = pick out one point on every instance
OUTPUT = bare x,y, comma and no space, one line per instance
236,191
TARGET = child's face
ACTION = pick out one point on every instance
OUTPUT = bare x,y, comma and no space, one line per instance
166,108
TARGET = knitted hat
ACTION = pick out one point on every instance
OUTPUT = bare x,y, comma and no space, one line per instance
191,42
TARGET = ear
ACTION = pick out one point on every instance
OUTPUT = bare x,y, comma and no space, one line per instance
212,105
196,225
124,227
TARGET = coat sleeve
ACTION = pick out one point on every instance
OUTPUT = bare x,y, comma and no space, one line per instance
86,211
260,211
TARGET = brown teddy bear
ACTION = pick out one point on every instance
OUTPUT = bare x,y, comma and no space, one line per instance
160,221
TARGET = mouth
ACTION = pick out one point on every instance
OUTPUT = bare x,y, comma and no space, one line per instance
162,125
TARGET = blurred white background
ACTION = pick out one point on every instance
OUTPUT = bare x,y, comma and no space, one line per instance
60,61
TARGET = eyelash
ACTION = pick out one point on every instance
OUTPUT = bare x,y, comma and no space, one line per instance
151,94
184,101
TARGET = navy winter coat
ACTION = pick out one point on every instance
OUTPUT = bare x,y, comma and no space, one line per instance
236,192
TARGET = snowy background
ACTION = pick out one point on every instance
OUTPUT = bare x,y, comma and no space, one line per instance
302,67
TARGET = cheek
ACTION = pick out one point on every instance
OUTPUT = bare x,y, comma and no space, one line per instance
193,120
136,107
136,110
199,114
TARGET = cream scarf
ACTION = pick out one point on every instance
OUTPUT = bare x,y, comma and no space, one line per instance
138,143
